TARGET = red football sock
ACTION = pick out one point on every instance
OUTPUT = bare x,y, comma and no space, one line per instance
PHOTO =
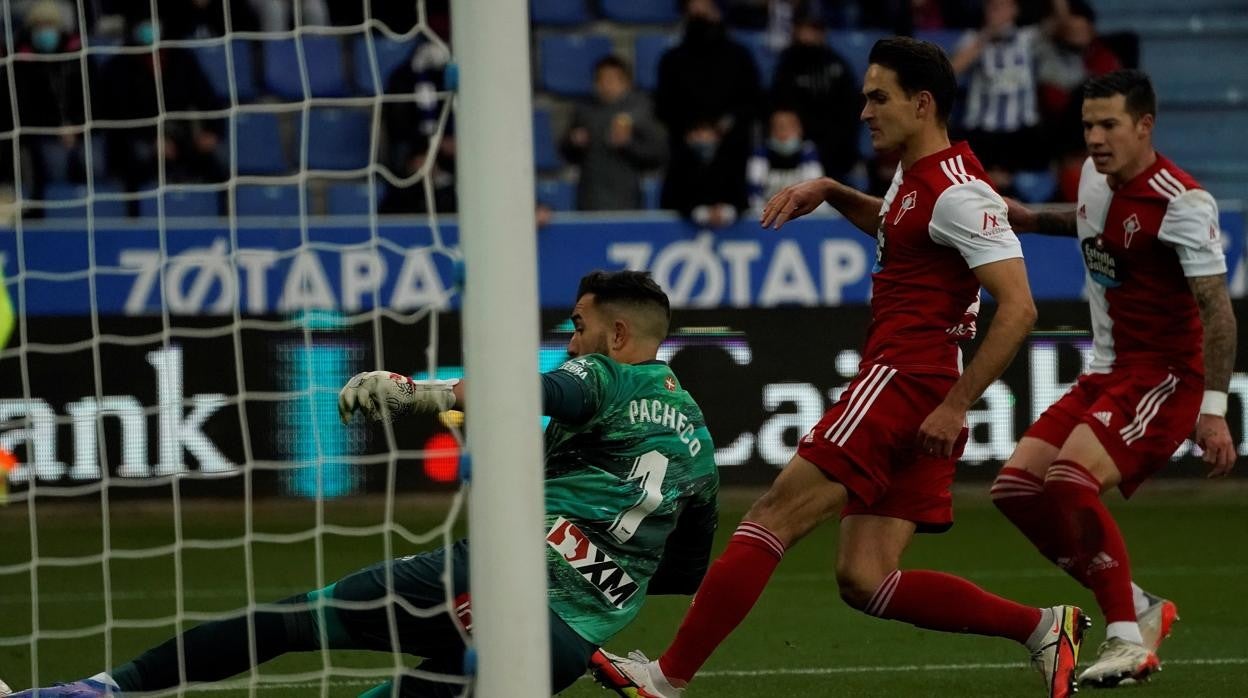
1020,495
939,601
1094,543
731,587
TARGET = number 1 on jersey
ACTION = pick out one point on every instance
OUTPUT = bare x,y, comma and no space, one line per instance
650,469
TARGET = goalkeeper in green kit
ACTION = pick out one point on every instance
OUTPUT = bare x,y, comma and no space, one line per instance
631,488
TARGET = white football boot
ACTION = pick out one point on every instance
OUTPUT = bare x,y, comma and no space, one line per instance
1120,663
633,676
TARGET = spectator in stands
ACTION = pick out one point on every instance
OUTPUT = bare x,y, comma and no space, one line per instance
441,174
772,17
196,19
907,16
704,183
614,139
279,15
411,122
49,95
821,86
7,193
1069,57
1002,116
127,90
784,158
709,78
399,17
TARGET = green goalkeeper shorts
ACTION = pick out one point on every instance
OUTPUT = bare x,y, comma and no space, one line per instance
418,580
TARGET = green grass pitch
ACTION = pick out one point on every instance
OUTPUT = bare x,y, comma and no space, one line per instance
1189,541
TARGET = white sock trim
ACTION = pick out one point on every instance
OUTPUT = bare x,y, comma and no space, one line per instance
1124,630
660,679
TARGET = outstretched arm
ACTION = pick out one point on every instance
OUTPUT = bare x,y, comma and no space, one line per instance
1218,319
384,395
863,210
1026,220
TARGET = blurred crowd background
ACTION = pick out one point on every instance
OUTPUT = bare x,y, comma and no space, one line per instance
705,107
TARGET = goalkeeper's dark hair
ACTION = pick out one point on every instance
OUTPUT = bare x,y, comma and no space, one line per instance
635,290
921,66
1134,85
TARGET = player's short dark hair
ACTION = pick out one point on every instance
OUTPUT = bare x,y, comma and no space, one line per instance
633,289
1134,85
612,61
921,66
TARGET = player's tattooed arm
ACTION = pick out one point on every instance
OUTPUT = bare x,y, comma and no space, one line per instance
1212,434
1220,329
1026,220
1061,224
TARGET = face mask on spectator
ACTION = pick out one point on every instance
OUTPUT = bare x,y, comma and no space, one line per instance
45,39
705,150
785,146
144,33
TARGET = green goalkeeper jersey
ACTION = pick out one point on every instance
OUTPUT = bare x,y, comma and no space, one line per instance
630,495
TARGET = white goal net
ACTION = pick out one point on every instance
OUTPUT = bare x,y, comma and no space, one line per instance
196,262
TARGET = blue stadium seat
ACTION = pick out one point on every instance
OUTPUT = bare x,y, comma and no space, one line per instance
184,204
567,62
764,58
212,61
59,161
1136,8
559,194
1035,187
98,58
103,208
267,200
1224,183
561,13
648,49
391,53
258,144
1180,67
641,11
325,72
1202,137
338,138
545,156
651,192
352,198
858,179
855,46
865,149
946,39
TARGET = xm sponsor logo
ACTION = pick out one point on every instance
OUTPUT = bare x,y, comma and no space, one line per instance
603,573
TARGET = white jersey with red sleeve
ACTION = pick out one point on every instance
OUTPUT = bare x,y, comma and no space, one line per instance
941,219
1140,242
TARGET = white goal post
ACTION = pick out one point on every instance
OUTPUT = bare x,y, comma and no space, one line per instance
497,235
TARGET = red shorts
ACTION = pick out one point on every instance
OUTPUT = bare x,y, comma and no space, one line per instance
1140,415
868,441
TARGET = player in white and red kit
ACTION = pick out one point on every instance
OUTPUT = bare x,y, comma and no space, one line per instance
883,456
1163,351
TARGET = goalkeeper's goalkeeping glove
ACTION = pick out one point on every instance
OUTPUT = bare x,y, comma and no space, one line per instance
383,395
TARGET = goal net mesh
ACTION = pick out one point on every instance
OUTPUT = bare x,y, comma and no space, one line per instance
196,262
